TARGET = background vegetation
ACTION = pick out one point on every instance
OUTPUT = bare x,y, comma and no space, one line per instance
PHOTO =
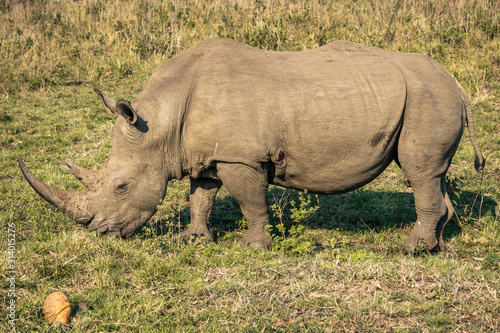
337,265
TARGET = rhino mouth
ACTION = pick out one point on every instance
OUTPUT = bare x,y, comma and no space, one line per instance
109,227
104,226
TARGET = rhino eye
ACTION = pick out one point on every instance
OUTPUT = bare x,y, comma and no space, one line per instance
122,188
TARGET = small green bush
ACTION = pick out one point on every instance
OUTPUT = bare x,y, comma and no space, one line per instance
289,233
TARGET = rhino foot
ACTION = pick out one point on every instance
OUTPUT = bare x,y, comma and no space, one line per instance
195,235
258,241
422,241
422,246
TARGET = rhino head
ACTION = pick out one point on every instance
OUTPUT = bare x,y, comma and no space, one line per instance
124,195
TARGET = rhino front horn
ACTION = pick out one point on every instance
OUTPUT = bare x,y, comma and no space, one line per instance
73,204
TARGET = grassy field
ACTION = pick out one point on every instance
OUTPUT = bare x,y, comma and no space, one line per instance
337,265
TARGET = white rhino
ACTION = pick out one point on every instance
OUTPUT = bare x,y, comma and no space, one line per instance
328,120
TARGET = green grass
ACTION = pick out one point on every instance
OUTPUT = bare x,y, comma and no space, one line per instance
345,274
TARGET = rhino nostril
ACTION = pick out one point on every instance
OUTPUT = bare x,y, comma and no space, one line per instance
85,221
96,223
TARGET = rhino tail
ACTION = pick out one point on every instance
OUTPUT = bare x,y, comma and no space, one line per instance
480,161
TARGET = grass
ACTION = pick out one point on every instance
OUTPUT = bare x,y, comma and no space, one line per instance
346,273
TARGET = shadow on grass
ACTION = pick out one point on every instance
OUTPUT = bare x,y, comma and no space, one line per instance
357,211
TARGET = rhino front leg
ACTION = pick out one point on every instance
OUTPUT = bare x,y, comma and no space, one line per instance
201,202
249,187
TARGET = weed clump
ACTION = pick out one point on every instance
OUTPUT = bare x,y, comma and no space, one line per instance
288,230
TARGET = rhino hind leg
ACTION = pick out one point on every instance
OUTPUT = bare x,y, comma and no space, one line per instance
249,187
202,200
432,215
426,171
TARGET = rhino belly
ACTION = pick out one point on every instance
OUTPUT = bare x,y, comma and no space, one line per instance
334,169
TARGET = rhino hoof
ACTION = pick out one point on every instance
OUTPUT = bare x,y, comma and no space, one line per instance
421,247
257,242
193,237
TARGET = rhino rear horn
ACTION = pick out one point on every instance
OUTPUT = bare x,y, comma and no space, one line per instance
89,178
122,108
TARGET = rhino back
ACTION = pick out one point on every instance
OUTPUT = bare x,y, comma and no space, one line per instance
328,118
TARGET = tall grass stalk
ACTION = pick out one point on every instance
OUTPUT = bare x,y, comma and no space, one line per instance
50,43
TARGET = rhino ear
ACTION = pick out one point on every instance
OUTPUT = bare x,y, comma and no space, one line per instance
125,110
121,107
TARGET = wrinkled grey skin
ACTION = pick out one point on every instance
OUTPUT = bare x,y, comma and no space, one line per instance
328,120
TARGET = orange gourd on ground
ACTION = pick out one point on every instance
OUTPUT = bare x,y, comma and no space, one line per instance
57,309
